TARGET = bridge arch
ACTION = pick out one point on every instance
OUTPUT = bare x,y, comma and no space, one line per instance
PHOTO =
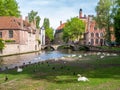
66,47
70,46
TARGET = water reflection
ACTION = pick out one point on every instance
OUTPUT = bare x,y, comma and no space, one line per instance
19,60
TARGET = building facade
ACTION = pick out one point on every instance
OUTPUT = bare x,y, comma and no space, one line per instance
92,35
19,35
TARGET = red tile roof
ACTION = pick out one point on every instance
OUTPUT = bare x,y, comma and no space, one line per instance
61,26
11,22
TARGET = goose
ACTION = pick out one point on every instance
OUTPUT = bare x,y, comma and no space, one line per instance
82,78
19,69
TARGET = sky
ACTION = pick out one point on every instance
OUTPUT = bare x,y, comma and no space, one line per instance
57,10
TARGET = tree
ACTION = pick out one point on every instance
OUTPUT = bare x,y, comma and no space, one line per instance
48,31
74,29
9,8
32,16
46,23
117,22
103,18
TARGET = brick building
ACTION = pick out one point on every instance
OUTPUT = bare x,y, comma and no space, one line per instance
21,34
93,35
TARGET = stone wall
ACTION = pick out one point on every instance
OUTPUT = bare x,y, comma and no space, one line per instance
17,48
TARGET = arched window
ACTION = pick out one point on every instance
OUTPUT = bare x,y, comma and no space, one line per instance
97,35
101,34
92,34
92,41
96,41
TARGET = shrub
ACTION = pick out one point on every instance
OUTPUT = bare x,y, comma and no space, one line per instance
2,44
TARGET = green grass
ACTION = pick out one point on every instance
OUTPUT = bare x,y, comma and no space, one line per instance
103,74
110,48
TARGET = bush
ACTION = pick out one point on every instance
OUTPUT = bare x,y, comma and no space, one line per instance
9,40
83,48
2,44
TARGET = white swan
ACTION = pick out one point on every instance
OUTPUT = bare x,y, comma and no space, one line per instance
19,69
98,53
108,54
85,54
82,78
114,54
102,56
74,55
80,56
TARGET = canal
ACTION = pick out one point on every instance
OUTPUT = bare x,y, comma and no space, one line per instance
30,58
19,60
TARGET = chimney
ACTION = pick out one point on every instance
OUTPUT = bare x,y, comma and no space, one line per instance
21,22
60,23
80,13
84,16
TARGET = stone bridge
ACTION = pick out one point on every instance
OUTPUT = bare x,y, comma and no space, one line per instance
72,46
55,47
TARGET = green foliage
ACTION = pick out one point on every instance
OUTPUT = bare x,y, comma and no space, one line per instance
37,22
46,23
83,48
32,16
2,44
74,29
48,29
49,33
103,18
9,8
9,40
117,23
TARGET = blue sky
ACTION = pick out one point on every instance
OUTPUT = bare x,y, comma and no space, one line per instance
57,10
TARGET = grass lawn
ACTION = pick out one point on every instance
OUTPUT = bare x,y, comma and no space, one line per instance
103,74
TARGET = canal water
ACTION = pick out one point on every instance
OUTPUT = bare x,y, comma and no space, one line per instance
19,60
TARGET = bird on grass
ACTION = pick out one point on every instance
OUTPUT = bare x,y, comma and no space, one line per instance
53,68
19,69
6,78
80,78
102,56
